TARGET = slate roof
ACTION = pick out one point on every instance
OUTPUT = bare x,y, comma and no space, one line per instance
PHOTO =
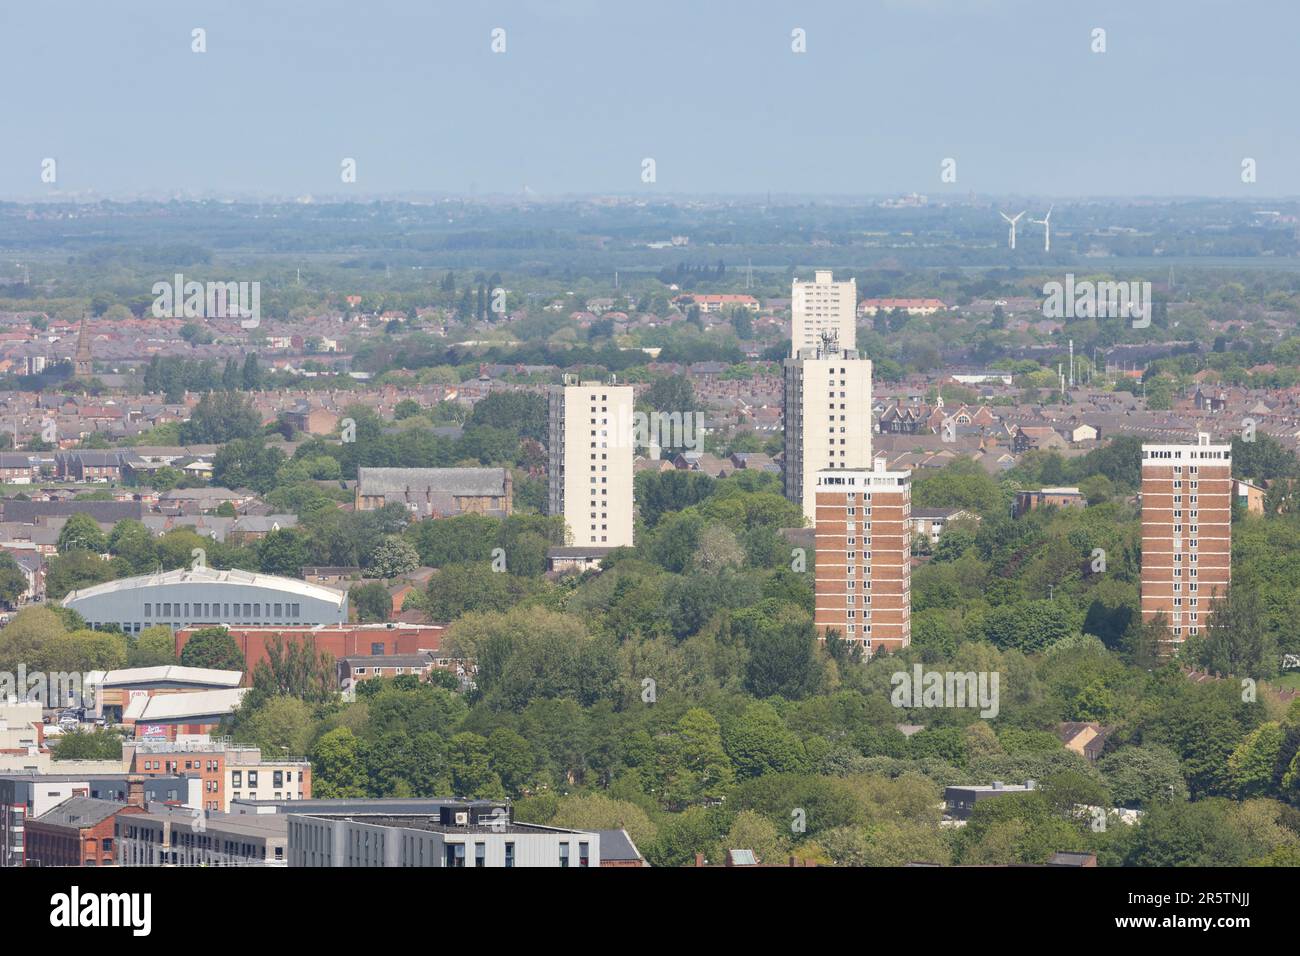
264,524
80,812
107,512
617,845
461,482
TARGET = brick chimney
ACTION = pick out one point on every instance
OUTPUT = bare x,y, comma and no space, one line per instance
135,792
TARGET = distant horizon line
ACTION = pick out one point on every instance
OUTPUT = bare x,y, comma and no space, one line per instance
417,197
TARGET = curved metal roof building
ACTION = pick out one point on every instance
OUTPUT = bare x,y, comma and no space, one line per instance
190,596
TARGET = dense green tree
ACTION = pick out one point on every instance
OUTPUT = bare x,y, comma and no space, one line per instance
212,647
693,767
758,742
672,393
661,492
251,375
338,766
131,541
77,569
595,811
295,668
524,413
247,463
1017,828
1029,625
512,759
393,558
371,602
1187,834
81,533
470,764
97,744
154,647
284,551
1237,640
1251,766
13,582
279,725
1138,776
221,417
782,655
462,538
406,408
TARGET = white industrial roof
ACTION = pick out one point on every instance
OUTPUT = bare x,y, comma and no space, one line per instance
179,706
211,576
173,673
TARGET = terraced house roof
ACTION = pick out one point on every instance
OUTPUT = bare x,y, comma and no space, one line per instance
449,481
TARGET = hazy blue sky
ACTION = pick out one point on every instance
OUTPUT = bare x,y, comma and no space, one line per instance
709,88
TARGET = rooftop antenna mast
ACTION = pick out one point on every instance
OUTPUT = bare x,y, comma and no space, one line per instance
830,342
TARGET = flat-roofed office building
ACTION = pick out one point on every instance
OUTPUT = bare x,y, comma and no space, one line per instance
589,471
820,306
171,836
468,833
863,578
827,405
1186,532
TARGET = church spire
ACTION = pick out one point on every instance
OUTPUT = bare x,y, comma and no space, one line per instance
83,361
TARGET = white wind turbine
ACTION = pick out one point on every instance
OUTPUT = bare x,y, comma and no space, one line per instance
1013,221
1046,223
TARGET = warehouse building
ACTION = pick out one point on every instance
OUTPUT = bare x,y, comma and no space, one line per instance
337,640
190,596
110,692
169,716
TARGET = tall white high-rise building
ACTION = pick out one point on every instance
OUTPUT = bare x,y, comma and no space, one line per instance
827,404
822,306
590,461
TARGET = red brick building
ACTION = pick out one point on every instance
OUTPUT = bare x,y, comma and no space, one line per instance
1027,501
352,670
227,770
1186,532
863,582
337,640
78,832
